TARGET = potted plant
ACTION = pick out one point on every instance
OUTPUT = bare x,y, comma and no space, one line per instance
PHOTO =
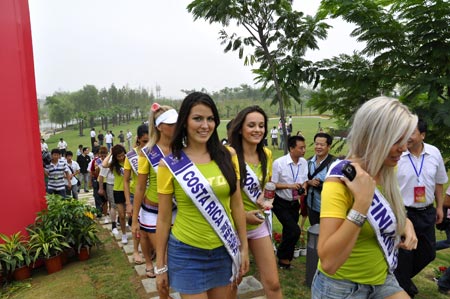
46,243
15,256
86,237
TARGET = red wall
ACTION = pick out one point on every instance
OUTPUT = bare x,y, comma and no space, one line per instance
22,189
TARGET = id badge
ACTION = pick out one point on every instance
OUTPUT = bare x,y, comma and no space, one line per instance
419,194
295,195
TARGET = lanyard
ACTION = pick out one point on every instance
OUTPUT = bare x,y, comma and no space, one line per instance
414,166
292,171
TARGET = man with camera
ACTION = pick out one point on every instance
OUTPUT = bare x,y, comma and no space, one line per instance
317,170
289,173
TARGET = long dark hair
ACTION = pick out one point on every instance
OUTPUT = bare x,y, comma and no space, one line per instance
219,153
236,142
115,151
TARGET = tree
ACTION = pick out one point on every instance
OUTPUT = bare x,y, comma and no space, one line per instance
408,43
278,36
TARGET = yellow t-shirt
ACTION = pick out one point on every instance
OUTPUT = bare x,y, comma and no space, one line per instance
190,226
366,263
127,166
248,204
118,179
144,167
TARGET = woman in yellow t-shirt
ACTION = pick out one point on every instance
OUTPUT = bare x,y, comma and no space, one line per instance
197,262
129,184
248,131
145,206
352,260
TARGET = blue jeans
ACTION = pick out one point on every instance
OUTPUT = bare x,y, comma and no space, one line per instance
324,287
444,243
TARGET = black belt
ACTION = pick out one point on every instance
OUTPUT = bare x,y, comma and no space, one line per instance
420,209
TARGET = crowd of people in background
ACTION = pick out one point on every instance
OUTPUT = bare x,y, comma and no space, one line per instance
198,203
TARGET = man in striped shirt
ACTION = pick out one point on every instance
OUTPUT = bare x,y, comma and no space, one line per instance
56,171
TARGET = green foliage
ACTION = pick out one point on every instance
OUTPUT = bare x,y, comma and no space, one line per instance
14,252
278,36
46,243
408,42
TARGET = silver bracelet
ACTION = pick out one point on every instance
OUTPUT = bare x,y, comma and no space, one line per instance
356,217
161,270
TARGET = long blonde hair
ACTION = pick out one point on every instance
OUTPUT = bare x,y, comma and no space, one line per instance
154,134
378,125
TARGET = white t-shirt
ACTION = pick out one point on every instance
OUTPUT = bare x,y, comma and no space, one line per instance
93,133
411,174
62,145
75,167
129,135
274,133
108,138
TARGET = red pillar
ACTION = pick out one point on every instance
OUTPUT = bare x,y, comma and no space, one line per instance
22,189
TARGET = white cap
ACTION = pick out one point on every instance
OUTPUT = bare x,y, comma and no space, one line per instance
168,117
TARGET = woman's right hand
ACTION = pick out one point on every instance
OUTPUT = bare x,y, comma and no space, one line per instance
135,227
251,217
162,284
362,188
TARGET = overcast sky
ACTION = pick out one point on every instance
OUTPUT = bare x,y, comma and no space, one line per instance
143,43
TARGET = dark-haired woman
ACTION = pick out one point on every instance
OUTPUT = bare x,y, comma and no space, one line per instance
129,181
207,246
248,132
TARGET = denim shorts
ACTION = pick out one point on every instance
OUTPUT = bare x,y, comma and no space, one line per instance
194,270
327,287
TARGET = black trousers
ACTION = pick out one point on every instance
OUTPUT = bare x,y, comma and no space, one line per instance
287,213
411,262
99,200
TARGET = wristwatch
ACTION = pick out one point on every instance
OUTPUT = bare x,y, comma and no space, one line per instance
356,217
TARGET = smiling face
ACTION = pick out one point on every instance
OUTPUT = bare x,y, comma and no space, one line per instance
200,124
321,147
253,128
415,140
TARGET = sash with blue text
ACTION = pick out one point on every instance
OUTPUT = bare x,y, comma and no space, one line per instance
133,158
382,219
252,188
197,187
153,155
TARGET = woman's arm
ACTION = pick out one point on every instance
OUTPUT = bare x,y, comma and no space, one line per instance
238,214
139,193
126,190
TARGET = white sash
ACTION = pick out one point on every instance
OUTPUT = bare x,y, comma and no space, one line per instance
253,190
381,218
197,187
153,155
133,158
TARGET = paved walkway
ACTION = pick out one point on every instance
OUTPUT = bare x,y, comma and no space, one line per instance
250,287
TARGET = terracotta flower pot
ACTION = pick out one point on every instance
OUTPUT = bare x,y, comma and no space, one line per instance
83,254
53,264
22,273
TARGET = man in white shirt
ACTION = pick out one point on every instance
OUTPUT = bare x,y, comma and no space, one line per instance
93,135
129,136
75,170
421,175
290,174
274,136
109,140
62,146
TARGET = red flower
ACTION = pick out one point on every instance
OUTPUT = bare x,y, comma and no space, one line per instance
155,107
442,268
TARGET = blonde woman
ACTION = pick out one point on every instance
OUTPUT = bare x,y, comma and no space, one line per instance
363,220
145,207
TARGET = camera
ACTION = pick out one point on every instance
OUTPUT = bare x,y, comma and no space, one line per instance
301,191
349,171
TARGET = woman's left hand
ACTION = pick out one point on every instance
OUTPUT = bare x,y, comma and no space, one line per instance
409,238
